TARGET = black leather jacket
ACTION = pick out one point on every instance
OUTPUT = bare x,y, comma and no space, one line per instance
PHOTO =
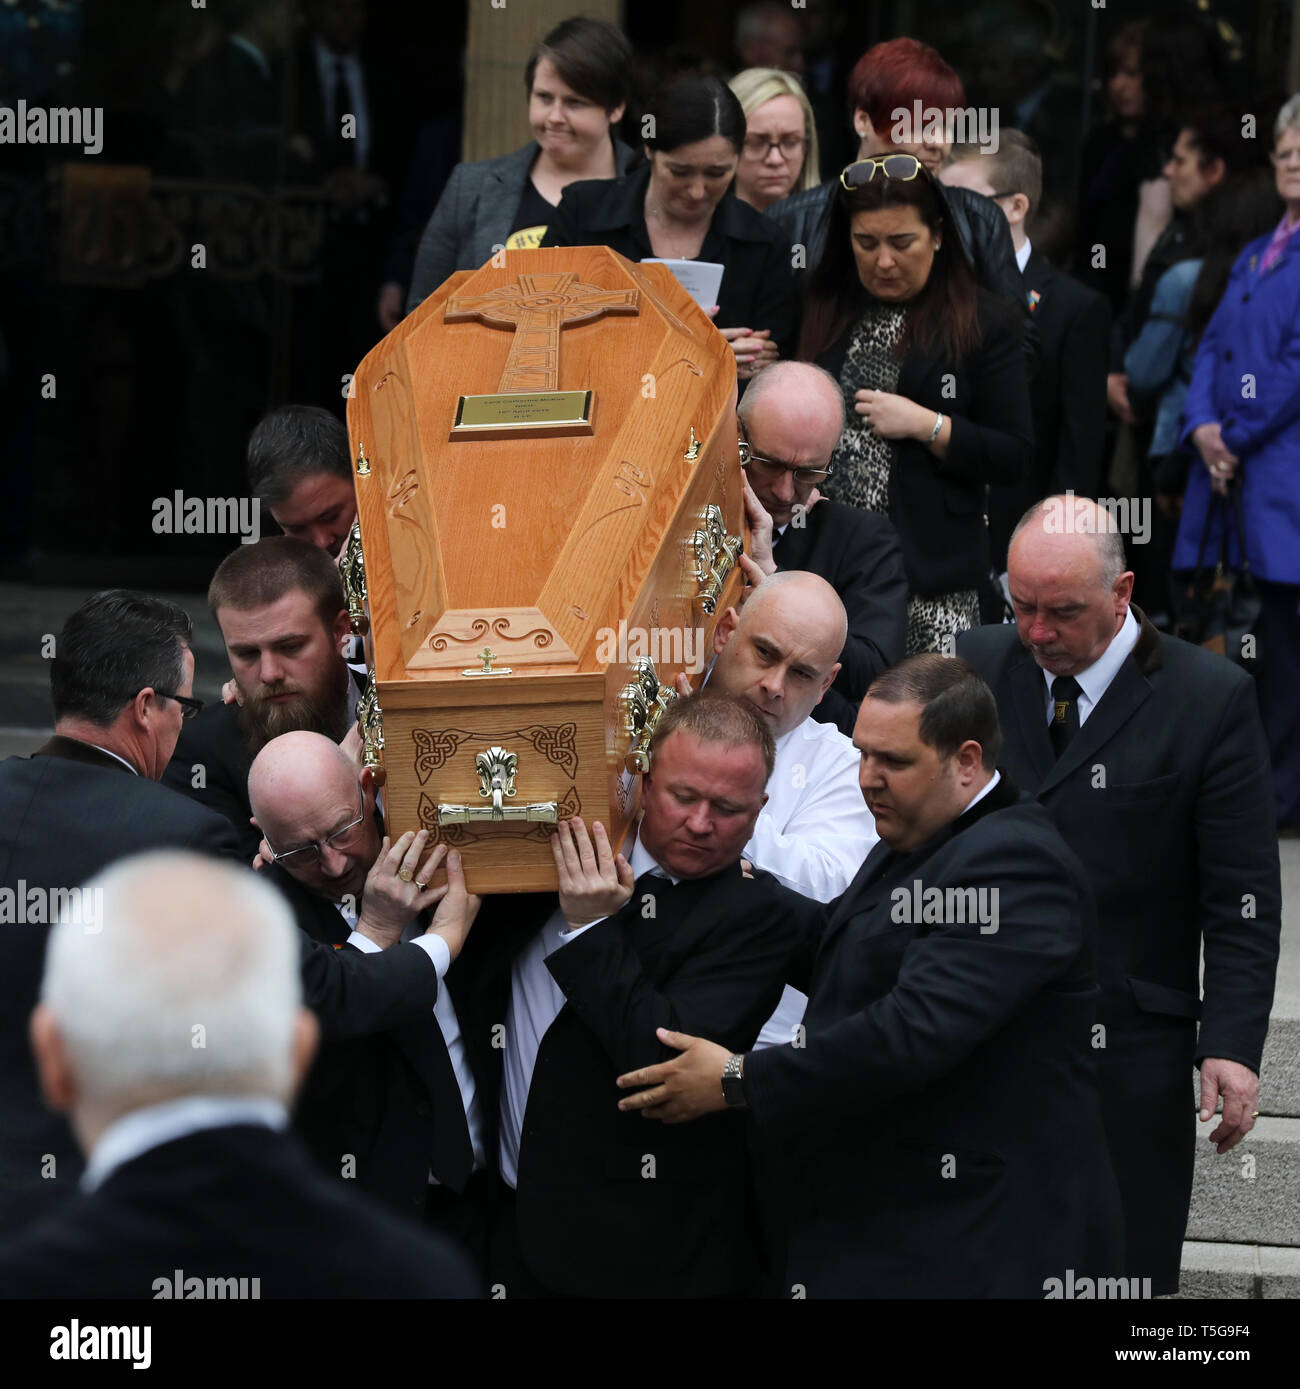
979,223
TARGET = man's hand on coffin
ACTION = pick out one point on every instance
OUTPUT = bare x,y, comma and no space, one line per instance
396,890
458,908
230,693
594,881
760,527
680,1089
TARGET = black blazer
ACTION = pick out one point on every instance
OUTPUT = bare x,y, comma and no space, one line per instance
65,814
1166,794
236,1202
859,554
594,1219
758,286
940,1132
1067,391
937,506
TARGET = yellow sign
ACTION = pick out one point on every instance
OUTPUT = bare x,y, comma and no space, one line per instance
524,412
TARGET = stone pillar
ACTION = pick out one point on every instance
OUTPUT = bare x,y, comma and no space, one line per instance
497,46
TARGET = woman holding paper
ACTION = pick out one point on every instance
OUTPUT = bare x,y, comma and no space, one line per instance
578,80
933,376
678,208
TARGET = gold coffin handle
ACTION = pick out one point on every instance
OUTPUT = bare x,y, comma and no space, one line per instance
644,701
352,570
715,557
496,770
370,724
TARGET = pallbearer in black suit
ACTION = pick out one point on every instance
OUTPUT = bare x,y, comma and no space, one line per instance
1067,389
398,1113
280,606
1149,754
939,1133
672,934
120,682
791,419
174,1037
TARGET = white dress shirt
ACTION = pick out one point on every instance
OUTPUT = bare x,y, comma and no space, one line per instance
813,834
984,790
1023,254
1095,681
535,1003
358,107
444,1014
110,753
133,1134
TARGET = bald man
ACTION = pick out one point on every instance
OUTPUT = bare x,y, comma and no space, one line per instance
399,1111
190,1177
790,421
1150,756
778,655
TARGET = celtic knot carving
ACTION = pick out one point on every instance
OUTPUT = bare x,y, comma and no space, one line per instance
556,743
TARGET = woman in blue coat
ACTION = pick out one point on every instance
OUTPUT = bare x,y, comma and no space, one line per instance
1242,415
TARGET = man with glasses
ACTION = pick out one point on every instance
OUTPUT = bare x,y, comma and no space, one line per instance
790,421
1068,385
397,1113
121,683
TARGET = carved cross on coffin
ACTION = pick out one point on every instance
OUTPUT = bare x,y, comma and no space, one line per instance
538,308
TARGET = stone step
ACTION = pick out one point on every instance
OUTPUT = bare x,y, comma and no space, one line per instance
1252,1194
1238,1271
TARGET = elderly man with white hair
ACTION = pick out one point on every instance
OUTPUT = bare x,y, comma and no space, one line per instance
1150,756
790,420
174,1040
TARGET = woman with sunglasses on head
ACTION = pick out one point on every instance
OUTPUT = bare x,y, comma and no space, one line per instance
933,375
678,208
780,155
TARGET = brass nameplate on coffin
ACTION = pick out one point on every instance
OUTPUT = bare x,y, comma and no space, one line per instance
517,414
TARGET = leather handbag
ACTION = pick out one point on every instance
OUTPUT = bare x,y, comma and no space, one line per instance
1218,606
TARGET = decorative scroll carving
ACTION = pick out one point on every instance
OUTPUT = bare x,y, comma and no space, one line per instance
540,637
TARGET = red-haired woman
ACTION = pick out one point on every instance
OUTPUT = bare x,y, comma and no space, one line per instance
933,372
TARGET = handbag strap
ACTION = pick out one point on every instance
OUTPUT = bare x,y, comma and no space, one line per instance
1234,501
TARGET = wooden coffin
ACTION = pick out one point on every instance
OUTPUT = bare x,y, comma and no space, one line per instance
539,567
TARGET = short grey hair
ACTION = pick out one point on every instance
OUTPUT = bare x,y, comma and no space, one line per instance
1288,118
186,981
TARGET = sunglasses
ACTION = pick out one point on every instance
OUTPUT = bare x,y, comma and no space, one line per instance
901,167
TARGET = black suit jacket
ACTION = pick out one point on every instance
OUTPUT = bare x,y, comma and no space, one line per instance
937,506
237,1202
859,554
597,1217
65,814
940,1131
1165,795
1067,391
758,287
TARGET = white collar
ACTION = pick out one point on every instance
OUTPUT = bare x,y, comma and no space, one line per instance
1095,681
1023,254
150,1127
109,752
984,790
641,860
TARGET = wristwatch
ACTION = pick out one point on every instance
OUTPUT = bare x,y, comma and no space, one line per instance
733,1083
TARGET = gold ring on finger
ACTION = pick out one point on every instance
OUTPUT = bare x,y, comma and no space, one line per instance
405,874
422,886
1254,1113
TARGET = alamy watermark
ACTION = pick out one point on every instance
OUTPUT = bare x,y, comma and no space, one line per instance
53,125
951,125
1071,515
945,906
677,646
43,906
182,515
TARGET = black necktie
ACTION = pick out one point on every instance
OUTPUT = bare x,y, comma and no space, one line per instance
343,149
1065,712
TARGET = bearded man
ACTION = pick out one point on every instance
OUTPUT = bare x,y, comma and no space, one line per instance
284,620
